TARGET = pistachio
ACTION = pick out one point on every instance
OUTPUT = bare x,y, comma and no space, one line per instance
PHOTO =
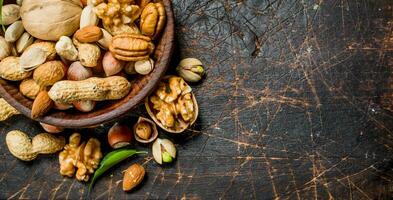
144,66
14,31
23,42
10,13
32,58
66,49
190,69
163,151
5,48
88,17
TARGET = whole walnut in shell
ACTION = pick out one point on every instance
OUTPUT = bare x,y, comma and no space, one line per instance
51,19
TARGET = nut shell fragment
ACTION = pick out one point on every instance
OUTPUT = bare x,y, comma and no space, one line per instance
6,110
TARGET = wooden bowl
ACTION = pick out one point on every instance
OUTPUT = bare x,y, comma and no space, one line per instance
105,111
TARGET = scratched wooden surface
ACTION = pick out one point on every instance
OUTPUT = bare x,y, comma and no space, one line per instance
291,109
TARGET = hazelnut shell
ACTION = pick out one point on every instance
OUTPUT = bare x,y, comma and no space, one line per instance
153,135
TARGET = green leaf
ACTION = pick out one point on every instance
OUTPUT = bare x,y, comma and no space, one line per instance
110,160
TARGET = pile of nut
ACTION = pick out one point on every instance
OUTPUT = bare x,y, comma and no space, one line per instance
82,54
71,62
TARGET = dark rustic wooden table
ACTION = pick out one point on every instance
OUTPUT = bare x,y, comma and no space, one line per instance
290,109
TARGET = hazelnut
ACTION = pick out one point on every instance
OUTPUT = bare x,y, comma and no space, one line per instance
62,106
51,129
119,136
133,176
85,106
145,130
78,72
111,65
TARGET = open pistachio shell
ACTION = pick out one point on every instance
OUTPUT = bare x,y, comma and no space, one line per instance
154,132
163,144
182,124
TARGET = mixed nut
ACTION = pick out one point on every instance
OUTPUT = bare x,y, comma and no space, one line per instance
59,51
70,62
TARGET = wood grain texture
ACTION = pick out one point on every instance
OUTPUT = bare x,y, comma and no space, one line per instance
108,110
290,109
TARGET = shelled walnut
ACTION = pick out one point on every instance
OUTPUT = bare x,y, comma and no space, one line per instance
173,105
116,12
83,158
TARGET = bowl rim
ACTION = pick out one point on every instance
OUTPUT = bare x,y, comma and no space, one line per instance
159,71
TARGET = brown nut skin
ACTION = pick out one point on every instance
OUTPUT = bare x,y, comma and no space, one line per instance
133,176
131,47
88,34
119,136
153,19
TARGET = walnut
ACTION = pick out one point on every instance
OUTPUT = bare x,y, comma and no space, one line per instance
174,107
116,12
83,158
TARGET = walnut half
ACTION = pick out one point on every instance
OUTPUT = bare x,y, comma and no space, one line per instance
173,105
82,158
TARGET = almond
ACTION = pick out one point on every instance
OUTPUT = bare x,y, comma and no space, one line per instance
88,34
41,105
133,176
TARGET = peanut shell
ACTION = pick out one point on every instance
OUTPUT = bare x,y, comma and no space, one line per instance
11,70
94,89
49,73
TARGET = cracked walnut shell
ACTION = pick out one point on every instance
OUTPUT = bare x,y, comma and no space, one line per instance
131,47
82,158
153,20
173,105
